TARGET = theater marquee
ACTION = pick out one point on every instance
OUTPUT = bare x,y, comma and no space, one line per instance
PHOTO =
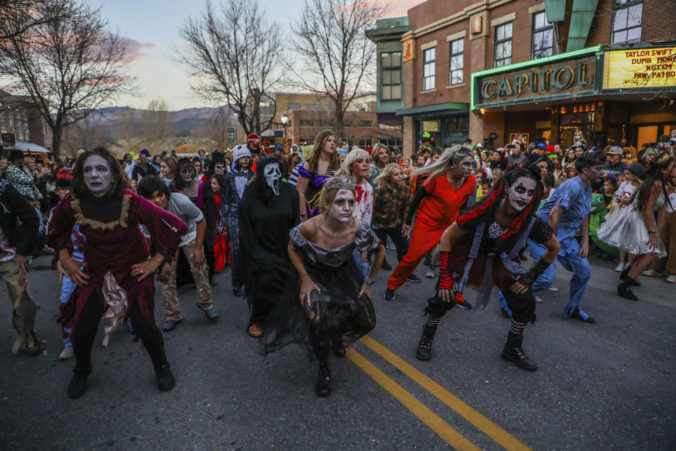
639,68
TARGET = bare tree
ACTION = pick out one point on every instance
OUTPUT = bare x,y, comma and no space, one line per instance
156,123
68,66
330,38
126,130
18,16
86,134
234,53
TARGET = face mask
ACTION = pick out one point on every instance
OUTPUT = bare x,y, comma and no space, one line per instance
272,177
97,176
521,193
219,168
188,174
342,206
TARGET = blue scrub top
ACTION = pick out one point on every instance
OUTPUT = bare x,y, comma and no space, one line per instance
576,201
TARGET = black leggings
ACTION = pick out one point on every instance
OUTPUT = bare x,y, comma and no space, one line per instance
87,325
395,234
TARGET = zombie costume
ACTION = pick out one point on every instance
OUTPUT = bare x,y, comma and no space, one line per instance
267,211
439,205
114,244
17,238
233,190
576,200
340,313
487,254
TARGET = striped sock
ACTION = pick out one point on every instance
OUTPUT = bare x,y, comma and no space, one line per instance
517,327
432,322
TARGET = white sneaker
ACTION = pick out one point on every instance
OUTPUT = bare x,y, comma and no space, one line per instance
651,273
538,299
620,267
429,273
553,289
66,354
671,278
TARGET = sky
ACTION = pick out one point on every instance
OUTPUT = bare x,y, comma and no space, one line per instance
152,27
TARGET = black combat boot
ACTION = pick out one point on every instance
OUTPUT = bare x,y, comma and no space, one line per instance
78,384
424,351
323,386
165,378
513,352
624,289
624,277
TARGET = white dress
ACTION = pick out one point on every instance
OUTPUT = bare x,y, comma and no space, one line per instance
627,231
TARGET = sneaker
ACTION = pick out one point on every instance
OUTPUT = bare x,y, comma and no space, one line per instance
651,273
386,266
430,273
538,299
461,303
553,289
389,295
620,267
211,314
66,354
671,278
170,324
255,330
165,378
413,278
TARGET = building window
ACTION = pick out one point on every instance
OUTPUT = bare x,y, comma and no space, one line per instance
627,18
457,55
293,106
365,141
307,123
366,124
328,107
543,36
429,58
307,140
390,76
312,107
503,45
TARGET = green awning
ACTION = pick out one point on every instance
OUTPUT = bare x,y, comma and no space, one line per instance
442,109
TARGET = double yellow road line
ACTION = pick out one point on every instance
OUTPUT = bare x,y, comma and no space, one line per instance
424,413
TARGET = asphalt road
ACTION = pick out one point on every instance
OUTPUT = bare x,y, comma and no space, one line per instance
610,385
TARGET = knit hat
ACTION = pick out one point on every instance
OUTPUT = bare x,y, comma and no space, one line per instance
542,146
615,150
240,151
144,152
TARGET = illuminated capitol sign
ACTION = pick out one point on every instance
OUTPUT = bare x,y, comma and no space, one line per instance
537,81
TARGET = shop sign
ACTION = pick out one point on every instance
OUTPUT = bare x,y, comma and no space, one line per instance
537,81
639,68
431,126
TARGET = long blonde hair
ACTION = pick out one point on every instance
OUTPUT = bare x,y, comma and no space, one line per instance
349,160
448,159
376,150
384,178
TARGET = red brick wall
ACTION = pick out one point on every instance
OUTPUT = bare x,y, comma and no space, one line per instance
659,20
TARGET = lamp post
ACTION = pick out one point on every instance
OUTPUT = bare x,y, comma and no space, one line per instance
285,121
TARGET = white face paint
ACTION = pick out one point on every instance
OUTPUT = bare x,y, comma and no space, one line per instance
342,206
272,177
521,193
97,176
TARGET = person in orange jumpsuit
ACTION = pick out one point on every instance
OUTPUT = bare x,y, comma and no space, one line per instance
436,206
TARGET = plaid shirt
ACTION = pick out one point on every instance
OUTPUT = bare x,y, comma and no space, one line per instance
390,206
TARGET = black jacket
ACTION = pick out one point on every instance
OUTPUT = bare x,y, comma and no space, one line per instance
18,219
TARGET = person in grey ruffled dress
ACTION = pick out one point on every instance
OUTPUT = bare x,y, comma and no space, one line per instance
328,302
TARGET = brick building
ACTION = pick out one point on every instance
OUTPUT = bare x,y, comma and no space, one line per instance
308,114
494,70
20,117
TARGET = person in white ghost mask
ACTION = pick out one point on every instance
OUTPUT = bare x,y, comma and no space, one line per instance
482,249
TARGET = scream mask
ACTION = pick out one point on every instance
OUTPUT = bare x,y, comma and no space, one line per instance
273,176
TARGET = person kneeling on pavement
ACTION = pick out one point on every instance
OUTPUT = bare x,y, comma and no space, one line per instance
155,190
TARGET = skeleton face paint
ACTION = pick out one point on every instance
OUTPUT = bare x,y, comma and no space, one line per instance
272,177
219,168
521,193
343,206
188,173
97,176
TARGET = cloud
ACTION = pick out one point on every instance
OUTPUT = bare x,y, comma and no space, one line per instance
398,8
135,50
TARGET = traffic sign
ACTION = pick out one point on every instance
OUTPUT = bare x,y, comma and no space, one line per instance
254,138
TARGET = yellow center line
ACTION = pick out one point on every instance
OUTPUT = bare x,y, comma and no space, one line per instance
432,420
489,428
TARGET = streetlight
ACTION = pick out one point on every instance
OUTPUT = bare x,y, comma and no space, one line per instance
285,121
